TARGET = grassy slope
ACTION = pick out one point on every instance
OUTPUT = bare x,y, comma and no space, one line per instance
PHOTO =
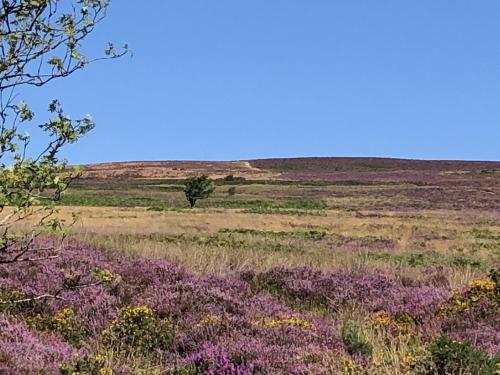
442,214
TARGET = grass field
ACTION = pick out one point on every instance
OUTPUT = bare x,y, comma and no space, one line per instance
376,264
382,224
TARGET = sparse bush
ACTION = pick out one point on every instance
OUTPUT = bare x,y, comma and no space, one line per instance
354,338
231,191
199,187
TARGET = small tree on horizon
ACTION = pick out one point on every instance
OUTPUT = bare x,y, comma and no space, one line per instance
198,187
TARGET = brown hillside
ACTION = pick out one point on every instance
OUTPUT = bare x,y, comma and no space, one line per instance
174,169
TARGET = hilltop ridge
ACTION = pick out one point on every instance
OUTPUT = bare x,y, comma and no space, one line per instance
303,168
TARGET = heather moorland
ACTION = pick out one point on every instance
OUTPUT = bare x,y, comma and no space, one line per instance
277,266
313,275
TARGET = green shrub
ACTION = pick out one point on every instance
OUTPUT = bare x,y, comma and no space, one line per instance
354,338
139,329
89,365
231,179
64,323
448,356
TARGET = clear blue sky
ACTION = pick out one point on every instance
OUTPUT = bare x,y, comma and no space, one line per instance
227,79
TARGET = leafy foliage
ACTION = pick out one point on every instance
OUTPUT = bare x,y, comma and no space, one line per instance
198,187
40,40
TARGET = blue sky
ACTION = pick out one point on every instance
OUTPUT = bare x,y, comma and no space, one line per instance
225,79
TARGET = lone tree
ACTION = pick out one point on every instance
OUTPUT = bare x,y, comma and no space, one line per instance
40,40
199,187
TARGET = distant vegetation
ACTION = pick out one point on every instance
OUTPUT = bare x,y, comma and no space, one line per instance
231,179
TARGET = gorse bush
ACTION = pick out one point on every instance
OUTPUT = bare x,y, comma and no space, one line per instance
107,277
449,356
88,365
477,292
64,323
139,329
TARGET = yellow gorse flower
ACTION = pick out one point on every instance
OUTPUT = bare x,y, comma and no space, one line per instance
381,319
477,290
290,321
63,315
350,367
140,310
106,276
403,324
209,320
482,285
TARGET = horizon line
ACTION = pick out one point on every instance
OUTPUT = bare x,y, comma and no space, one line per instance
286,158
